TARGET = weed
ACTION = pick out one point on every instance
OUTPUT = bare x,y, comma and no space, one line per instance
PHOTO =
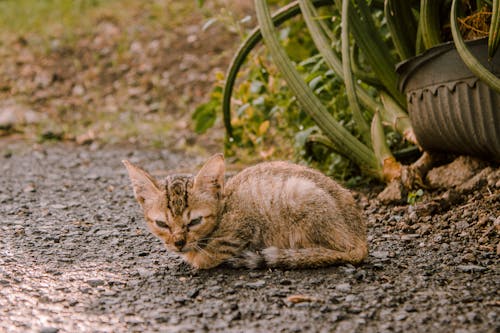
415,196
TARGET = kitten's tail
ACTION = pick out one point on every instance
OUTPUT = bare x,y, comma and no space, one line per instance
306,257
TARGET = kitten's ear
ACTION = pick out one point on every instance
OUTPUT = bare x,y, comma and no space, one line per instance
211,176
145,186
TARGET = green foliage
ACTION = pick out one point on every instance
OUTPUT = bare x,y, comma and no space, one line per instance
414,196
205,114
363,59
34,15
267,118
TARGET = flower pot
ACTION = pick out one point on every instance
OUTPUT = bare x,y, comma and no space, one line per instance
450,109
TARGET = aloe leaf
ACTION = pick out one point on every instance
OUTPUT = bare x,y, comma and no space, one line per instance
494,35
366,76
255,36
391,169
397,118
376,52
323,43
325,141
352,97
402,26
468,58
350,146
321,40
430,23
419,43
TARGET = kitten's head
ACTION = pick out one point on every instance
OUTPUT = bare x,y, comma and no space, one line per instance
181,210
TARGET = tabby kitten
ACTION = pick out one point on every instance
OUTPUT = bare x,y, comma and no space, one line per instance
273,214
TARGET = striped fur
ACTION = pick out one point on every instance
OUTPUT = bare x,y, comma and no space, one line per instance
273,214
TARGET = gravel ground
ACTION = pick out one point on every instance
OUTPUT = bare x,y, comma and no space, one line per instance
75,256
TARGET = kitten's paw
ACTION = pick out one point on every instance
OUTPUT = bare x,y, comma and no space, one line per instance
253,260
247,259
271,255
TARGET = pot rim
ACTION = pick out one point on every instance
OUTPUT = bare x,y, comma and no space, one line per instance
405,68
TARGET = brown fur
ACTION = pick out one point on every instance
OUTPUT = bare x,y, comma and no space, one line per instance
273,214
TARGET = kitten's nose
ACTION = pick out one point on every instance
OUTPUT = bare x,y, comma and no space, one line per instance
180,243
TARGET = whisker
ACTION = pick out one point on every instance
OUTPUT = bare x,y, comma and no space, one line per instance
205,252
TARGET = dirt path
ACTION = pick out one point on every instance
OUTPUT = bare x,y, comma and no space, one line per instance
75,257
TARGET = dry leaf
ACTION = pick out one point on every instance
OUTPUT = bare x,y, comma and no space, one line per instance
301,299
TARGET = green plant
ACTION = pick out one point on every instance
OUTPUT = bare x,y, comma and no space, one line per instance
414,196
267,118
411,26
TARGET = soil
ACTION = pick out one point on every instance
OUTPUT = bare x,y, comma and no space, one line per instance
75,256
127,77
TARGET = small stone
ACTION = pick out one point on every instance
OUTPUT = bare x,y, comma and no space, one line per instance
49,330
95,282
336,316
462,225
214,290
343,287
380,254
29,188
360,275
448,199
424,228
58,206
235,316
492,315
180,300
472,317
351,298
162,318
256,285
78,90
409,308
409,237
454,174
193,293
285,282
393,193
4,198
93,176
468,257
471,268
476,182
494,178
401,316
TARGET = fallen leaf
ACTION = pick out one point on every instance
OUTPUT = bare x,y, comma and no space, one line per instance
301,299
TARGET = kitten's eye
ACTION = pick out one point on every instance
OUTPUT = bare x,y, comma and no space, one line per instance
194,222
162,224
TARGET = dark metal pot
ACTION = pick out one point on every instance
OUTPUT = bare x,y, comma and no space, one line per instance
450,109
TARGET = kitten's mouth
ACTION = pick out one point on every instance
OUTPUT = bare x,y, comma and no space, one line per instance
185,249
